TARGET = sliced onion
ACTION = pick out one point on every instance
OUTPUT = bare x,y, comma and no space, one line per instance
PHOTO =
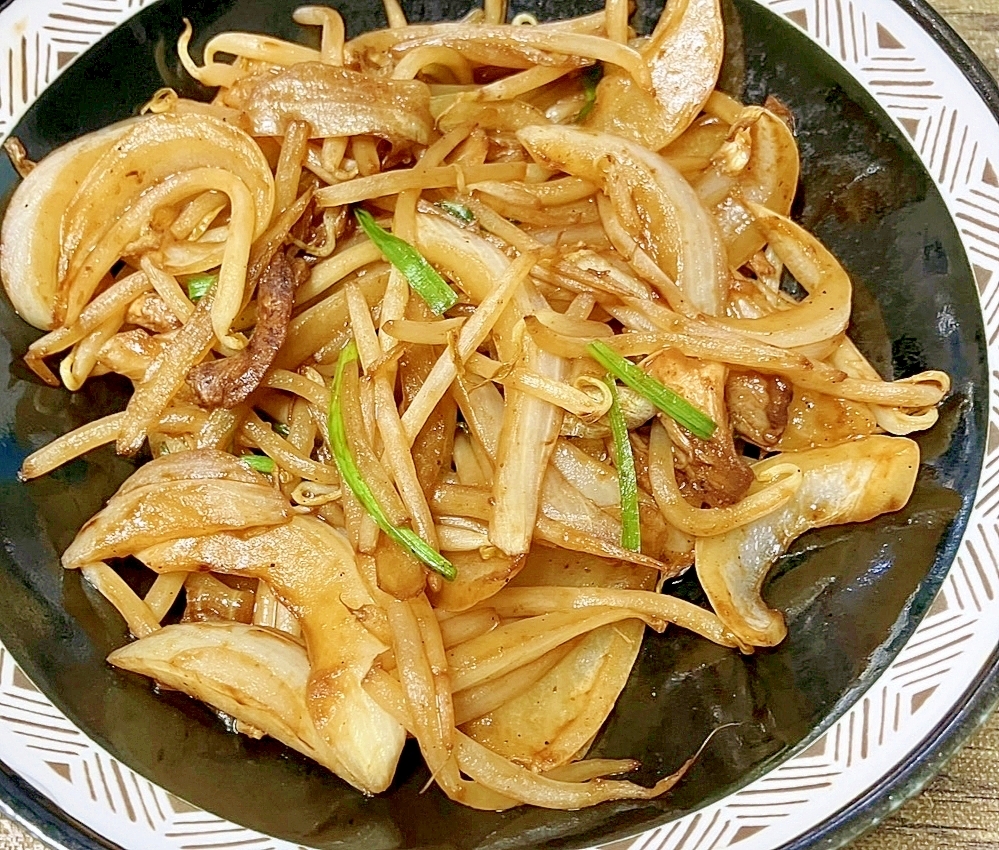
151,150
674,228
141,515
825,312
29,238
314,573
684,55
769,178
854,482
335,102
253,674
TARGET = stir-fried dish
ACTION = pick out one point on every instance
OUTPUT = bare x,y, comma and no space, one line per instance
451,344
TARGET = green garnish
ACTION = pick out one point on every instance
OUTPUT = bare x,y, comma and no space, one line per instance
422,276
624,460
590,78
351,475
699,424
281,429
199,285
458,211
261,463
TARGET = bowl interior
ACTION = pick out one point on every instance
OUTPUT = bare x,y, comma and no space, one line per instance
853,594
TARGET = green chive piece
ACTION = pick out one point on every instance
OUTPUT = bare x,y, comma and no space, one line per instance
458,211
422,276
624,460
590,78
351,475
261,463
698,423
199,285
281,429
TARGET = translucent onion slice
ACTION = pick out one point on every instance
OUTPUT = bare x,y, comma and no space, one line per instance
555,718
29,238
253,674
684,55
674,227
825,312
141,515
151,150
854,482
336,102
768,178
312,570
576,693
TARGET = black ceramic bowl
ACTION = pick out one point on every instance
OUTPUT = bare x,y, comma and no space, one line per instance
853,594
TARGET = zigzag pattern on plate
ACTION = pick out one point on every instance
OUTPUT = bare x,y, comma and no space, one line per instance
954,135
37,43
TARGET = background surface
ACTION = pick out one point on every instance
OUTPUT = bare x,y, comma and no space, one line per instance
960,809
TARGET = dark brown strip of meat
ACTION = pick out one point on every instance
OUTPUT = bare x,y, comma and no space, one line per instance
229,381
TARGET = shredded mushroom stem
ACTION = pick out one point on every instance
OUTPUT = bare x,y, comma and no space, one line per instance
783,481
853,482
669,204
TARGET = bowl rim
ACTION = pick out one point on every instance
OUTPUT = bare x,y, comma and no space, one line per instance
40,816
970,711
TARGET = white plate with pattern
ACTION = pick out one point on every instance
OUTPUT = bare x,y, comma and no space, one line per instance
73,783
